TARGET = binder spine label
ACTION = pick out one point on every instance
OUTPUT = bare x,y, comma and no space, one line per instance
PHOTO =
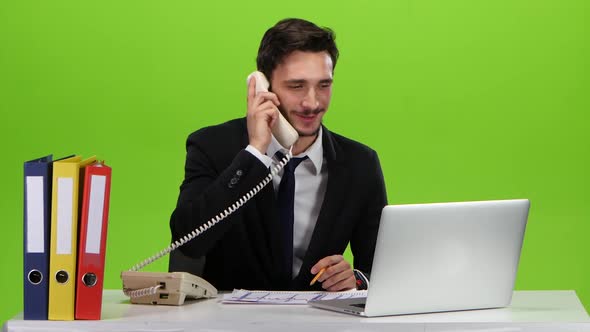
95,214
35,218
65,195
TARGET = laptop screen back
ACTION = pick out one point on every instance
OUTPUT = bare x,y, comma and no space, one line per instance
446,256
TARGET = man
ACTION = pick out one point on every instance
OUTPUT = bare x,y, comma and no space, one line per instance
339,187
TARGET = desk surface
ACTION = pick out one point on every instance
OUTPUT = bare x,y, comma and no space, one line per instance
529,311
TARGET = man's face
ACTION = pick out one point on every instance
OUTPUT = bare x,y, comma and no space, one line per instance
303,83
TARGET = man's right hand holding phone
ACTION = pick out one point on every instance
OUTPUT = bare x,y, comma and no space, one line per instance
262,114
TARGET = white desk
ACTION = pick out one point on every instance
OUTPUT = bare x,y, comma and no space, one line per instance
530,311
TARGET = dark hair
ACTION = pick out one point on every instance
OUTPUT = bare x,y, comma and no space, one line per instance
293,34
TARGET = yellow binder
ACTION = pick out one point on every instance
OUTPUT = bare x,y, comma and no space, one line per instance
64,232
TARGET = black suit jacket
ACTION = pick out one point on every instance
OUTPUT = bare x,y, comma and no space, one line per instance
243,251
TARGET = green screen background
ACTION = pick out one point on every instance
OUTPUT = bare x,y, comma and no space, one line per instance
463,100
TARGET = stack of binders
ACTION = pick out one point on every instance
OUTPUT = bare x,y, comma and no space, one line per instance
63,277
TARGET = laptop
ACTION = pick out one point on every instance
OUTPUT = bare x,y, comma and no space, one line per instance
442,257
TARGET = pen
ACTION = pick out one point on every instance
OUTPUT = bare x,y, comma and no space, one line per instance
317,276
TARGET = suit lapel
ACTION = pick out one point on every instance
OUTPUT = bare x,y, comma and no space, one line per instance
269,218
266,214
335,193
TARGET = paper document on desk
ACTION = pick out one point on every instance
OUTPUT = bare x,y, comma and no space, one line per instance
286,297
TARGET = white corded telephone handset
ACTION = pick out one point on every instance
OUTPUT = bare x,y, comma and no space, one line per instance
282,130
172,288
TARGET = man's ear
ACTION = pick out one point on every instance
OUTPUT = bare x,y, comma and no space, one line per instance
269,80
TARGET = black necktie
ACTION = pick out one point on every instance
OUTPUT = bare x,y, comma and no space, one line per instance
286,196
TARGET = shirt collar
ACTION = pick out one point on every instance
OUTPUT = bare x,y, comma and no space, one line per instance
315,152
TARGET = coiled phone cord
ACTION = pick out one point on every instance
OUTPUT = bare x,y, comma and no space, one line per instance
141,292
213,221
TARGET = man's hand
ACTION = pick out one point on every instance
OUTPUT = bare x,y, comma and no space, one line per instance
338,275
261,116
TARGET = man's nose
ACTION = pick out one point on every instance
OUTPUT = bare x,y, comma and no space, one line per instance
310,101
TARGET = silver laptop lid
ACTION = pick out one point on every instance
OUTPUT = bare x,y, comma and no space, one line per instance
446,256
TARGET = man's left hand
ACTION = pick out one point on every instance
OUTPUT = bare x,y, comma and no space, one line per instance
338,275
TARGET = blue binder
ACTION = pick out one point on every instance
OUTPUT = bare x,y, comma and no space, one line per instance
37,217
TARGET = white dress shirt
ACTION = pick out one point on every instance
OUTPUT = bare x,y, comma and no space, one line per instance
311,178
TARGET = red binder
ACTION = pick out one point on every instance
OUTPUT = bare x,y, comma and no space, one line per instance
93,238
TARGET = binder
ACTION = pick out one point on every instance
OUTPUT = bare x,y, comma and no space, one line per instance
92,245
64,233
37,216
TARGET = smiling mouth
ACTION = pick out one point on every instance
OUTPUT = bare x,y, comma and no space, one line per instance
308,115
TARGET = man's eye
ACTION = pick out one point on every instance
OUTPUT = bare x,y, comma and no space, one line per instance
298,86
325,85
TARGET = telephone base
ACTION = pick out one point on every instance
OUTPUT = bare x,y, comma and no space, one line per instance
167,288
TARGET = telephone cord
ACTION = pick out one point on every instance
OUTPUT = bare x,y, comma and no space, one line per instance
141,292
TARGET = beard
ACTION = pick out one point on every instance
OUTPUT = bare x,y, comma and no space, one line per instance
304,134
